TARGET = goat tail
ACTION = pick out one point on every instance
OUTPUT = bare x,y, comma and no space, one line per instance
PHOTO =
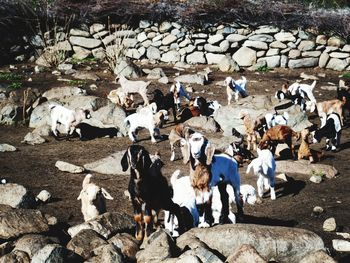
174,177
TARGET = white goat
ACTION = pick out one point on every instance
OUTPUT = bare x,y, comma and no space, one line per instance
134,86
68,118
179,91
236,87
92,198
305,90
121,98
264,167
276,119
145,118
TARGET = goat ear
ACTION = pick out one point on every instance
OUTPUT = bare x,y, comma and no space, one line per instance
209,152
124,161
80,195
106,194
87,180
146,160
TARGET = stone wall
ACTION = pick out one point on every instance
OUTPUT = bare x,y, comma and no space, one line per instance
225,45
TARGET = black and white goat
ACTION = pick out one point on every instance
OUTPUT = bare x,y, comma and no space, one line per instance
66,117
296,99
331,131
206,108
149,190
179,91
236,88
165,102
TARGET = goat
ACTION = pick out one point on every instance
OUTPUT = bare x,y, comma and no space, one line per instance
121,98
236,87
164,102
262,124
297,99
88,132
250,130
325,108
179,91
305,90
331,131
264,167
187,113
279,134
92,199
176,135
149,190
146,119
304,150
69,118
134,86
206,108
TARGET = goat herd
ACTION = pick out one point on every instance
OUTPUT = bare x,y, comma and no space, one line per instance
204,197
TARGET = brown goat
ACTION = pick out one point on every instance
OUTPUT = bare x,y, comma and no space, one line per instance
304,149
279,134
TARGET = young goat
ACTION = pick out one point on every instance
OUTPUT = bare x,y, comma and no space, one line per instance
325,108
176,135
88,132
250,130
331,131
279,134
164,102
131,86
92,199
146,119
121,98
178,91
149,190
297,99
264,168
304,150
264,123
206,108
236,87
305,90
69,118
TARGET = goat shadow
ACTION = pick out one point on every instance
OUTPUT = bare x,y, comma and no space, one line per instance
291,187
250,219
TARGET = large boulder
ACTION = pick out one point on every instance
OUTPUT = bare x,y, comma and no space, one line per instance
60,92
15,256
245,57
16,196
108,253
191,79
107,224
228,116
108,165
55,253
127,244
283,244
204,123
17,222
245,253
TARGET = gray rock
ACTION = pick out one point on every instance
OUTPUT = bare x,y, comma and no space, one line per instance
323,60
316,257
61,92
155,73
212,48
261,63
329,225
303,63
31,243
125,34
214,39
285,37
224,45
284,61
163,80
78,32
214,58
267,30
127,68
101,34
169,39
337,64
203,254
171,56
165,27
306,45
84,75
9,114
92,103
127,244
99,53
153,53
144,24
314,54
85,42
346,48
278,44
305,168
55,253
108,41
107,224
108,165
317,210
107,253
94,28
245,253
321,39
272,52
85,242
158,246
70,168
63,46
199,35
141,37
18,222
235,38
227,64
15,256
316,179
283,244
335,41
294,53
16,196
44,196
196,57
255,44
341,245
339,55
4,147
245,57
191,78
33,138
272,62
261,38
204,123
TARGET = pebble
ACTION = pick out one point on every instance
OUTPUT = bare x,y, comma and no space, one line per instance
318,210
316,179
329,224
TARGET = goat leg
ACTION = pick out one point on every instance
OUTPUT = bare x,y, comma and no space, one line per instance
138,226
225,204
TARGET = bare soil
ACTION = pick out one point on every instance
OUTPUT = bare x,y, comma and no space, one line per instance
34,166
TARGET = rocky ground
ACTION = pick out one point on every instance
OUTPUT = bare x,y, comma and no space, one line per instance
34,166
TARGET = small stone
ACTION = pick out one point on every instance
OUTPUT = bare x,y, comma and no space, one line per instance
318,210
344,235
44,196
341,245
282,176
316,179
329,224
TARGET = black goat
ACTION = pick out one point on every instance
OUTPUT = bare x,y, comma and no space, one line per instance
206,108
331,131
164,102
88,132
149,190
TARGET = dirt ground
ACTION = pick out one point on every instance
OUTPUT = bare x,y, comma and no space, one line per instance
34,166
